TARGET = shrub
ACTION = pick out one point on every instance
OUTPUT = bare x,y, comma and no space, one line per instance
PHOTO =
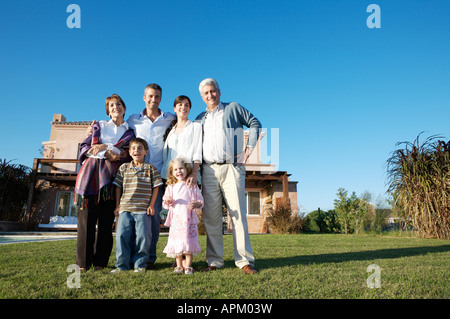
325,222
419,179
282,221
14,187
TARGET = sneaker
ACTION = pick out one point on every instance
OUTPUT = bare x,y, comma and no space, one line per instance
116,270
189,271
178,270
140,270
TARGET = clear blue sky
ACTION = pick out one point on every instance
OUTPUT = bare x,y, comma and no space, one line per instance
341,94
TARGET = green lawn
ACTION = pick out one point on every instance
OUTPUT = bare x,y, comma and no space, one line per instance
290,267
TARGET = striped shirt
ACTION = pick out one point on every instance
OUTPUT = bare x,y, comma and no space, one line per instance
137,184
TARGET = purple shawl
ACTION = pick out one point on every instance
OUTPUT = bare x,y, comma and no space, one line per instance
96,173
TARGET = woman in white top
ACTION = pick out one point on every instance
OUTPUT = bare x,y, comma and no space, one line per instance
100,156
183,139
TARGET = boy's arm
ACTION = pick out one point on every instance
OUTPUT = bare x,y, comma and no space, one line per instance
151,208
118,196
118,183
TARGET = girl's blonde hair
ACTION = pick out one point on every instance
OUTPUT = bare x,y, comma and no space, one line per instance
170,178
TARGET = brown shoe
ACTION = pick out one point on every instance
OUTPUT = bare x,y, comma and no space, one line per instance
248,269
210,268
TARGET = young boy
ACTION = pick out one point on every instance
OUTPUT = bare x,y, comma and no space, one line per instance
136,191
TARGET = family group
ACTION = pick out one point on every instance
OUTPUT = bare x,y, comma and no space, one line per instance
131,169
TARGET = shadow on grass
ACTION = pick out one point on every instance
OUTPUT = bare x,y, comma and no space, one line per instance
350,256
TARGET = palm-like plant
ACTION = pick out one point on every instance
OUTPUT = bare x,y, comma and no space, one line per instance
419,181
14,186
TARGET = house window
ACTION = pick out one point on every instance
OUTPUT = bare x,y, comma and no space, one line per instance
64,205
253,203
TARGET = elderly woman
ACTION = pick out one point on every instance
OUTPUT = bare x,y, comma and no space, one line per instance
100,156
183,139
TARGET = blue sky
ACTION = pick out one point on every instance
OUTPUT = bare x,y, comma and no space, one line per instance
341,94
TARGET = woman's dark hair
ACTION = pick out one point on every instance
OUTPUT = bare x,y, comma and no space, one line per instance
178,99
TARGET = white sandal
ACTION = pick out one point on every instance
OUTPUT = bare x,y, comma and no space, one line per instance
189,271
178,270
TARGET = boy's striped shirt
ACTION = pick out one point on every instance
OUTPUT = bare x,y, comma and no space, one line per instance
137,186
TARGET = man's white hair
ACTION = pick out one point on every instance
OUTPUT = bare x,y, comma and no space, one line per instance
208,81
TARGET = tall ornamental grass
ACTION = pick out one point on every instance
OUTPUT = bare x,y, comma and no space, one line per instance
282,220
419,181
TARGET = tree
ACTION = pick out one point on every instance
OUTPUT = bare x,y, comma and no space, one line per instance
352,211
344,207
14,187
362,207
331,222
312,221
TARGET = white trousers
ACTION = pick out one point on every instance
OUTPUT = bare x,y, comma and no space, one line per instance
225,181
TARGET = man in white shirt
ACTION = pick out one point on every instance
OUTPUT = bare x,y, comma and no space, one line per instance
151,125
223,174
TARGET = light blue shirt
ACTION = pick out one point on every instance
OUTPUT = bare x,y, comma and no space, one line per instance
234,117
152,133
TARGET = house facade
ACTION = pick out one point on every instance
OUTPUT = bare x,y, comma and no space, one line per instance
50,202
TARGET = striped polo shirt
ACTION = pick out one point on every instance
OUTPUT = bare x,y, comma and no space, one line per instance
137,184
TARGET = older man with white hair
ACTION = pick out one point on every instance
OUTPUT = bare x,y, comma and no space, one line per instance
223,174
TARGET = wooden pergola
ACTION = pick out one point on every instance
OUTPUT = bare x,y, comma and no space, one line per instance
258,179
53,176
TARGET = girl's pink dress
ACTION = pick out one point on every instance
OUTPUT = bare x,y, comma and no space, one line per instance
183,232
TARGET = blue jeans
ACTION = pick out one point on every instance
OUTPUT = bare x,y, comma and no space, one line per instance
133,240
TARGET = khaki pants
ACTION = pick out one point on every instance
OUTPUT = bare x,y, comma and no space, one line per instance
225,181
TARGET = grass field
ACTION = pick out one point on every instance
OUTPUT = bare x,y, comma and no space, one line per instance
290,267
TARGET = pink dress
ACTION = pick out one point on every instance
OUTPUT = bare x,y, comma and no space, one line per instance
183,232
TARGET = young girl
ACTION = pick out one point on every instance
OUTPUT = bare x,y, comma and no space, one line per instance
181,201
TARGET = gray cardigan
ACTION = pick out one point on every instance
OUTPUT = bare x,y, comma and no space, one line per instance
235,117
